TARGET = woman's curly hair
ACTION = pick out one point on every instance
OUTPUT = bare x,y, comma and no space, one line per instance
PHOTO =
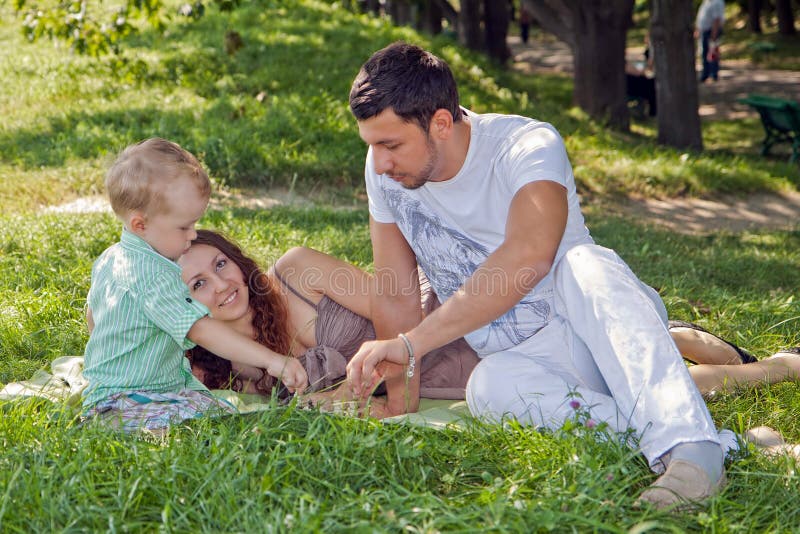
270,319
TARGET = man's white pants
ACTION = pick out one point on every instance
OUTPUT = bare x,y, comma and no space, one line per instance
607,342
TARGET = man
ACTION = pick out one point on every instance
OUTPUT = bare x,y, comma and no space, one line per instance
486,206
708,26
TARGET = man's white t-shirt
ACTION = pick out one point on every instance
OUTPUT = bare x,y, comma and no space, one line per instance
453,226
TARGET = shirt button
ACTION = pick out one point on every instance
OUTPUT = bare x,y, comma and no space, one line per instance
188,300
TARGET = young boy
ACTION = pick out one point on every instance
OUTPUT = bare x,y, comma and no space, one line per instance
141,317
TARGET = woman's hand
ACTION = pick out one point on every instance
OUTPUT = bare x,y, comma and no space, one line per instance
290,371
369,365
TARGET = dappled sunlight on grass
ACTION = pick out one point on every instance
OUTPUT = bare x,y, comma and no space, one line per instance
24,189
768,50
275,113
604,164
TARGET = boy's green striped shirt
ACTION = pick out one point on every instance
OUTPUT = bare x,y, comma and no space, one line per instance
142,312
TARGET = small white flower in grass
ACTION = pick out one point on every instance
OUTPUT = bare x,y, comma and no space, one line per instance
519,505
288,520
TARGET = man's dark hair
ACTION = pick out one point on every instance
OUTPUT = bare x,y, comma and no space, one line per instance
412,82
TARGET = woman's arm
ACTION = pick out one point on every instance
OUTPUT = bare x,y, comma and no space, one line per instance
314,274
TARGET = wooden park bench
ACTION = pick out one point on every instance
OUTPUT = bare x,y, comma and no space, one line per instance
781,121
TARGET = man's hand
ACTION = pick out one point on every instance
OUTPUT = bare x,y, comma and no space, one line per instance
365,372
290,371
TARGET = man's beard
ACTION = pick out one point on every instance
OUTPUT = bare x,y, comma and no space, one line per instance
425,175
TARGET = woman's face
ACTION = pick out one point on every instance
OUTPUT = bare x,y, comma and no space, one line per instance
216,281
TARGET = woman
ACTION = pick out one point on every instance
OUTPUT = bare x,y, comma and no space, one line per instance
312,306
316,307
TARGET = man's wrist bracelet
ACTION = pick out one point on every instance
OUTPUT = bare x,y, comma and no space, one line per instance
411,361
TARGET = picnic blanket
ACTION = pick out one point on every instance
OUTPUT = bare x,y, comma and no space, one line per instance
64,383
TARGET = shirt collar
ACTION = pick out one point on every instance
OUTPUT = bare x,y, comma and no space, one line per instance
132,242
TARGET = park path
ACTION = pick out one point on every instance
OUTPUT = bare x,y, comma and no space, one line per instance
738,78
717,101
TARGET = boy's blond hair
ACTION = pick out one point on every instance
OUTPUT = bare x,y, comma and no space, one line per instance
142,172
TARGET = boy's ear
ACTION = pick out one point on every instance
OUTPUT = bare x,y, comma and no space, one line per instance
137,222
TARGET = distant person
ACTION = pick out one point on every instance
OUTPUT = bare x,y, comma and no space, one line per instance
708,27
140,314
524,23
640,81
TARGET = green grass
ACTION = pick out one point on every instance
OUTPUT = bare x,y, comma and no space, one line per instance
290,470
294,470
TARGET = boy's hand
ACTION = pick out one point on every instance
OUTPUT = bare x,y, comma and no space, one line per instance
290,371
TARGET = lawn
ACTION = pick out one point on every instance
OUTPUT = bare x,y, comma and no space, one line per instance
275,115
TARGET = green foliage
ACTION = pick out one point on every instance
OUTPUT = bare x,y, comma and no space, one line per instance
88,27
91,28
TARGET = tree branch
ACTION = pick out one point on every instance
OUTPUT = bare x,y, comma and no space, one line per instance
554,16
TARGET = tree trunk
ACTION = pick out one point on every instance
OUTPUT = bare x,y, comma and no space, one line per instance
672,46
554,17
600,37
754,15
496,20
431,18
469,24
372,6
596,31
400,12
448,12
785,17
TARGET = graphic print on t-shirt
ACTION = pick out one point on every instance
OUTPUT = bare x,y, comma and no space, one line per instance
448,257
